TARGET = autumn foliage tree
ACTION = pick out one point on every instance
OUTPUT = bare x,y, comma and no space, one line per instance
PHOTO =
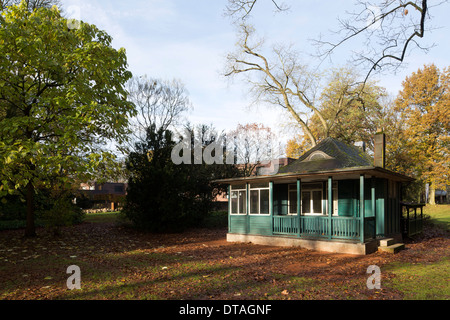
423,105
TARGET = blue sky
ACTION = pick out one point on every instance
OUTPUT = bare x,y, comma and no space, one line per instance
189,39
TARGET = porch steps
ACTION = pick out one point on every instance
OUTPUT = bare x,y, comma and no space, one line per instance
389,245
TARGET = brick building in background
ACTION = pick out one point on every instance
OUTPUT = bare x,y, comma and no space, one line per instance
109,195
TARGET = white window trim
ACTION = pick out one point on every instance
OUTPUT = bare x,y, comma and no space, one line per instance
292,187
322,156
231,204
259,201
311,203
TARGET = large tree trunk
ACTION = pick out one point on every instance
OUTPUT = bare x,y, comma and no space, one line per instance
432,195
30,230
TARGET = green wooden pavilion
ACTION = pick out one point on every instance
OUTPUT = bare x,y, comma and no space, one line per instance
333,198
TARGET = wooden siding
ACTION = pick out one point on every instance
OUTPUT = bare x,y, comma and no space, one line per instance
238,223
260,225
348,198
250,224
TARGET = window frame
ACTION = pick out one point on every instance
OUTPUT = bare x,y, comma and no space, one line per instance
293,188
311,190
239,190
258,189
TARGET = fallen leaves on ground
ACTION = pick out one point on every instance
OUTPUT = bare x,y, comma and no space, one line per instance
120,263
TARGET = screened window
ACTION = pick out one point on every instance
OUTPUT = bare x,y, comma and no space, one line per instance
312,198
317,201
292,199
259,198
306,202
264,201
238,198
254,201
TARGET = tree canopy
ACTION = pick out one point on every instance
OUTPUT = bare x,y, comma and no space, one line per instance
166,197
159,102
423,111
352,111
62,98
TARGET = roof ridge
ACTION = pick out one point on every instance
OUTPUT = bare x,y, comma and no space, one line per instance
342,154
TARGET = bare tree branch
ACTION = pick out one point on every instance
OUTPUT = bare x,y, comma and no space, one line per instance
253,144
286,83
388,28
241,9
158,102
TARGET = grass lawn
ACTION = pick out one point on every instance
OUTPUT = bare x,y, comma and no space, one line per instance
422,281
439,214
117,262
102,217
425,280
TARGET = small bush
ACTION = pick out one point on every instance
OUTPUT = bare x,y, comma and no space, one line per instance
62,213
12,208
216,219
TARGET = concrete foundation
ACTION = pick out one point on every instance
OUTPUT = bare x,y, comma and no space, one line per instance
311,244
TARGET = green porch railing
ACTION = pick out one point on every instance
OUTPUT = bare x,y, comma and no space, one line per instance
345,227
317,226
287,225
314,226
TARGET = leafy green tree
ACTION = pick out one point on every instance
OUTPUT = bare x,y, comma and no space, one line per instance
166,197
31,4
203,174
62,99
156,200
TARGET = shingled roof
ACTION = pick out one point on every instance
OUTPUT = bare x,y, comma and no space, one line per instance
328,154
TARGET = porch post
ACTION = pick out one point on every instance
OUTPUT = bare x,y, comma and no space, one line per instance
330,205
374,205
271,206
247,209
229,207
299,207
361,207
